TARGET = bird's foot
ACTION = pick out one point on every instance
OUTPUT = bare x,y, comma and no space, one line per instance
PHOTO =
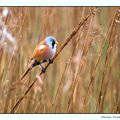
43,70
50,61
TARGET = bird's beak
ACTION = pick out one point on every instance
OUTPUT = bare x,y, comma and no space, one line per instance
57,43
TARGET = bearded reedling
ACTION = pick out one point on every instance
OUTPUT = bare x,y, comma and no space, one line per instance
44,52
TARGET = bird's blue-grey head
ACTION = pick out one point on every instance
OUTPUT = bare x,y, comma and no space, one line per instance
51,41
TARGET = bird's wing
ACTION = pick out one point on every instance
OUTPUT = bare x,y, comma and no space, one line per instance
40,53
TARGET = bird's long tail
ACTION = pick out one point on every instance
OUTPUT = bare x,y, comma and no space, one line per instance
29,68
31,65
25,73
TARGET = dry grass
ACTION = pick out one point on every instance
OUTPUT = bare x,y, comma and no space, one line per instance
84,77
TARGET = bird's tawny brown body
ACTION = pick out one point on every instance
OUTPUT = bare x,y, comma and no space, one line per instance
43,52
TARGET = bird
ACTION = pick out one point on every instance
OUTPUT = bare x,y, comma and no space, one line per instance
43,52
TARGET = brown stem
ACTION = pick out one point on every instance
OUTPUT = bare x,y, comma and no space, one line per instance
66,42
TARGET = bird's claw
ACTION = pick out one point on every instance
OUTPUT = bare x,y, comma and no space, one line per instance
43,70
50,61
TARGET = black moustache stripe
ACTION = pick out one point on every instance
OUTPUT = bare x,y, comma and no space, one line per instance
53,43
